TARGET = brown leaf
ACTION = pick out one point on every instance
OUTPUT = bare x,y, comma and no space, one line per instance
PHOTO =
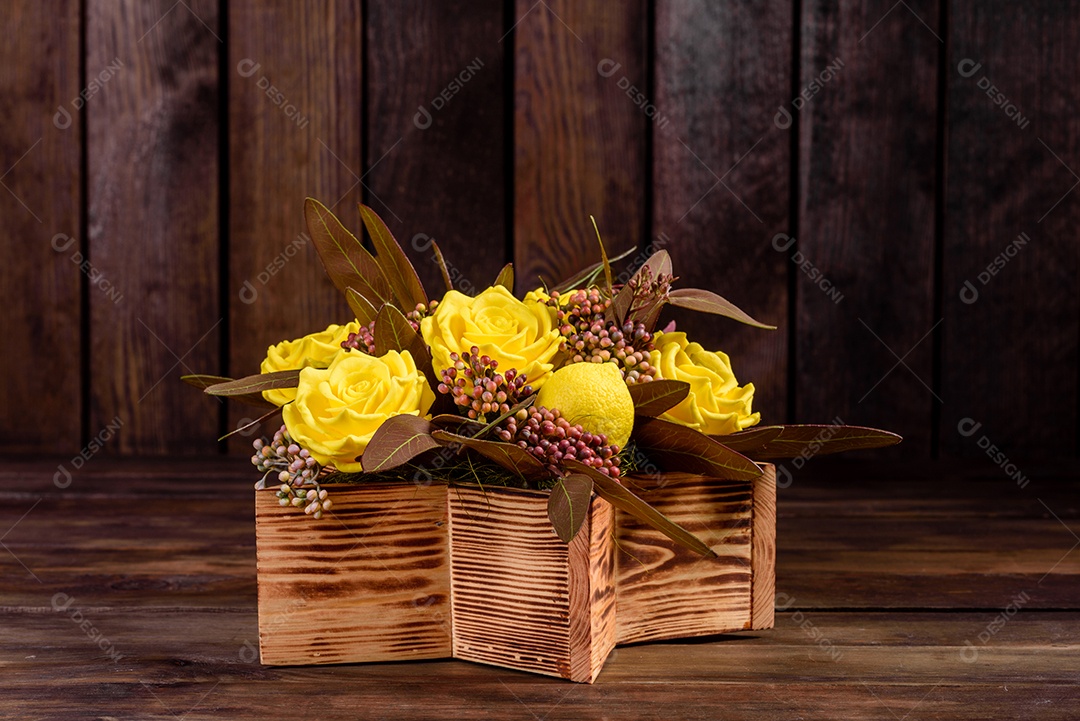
202,382
506,277
681,448
361,307
441,262
256,384
394,332
397,441
347,261
622,498
568,505
705,301
396,266
513,458
750,440
821,440
651,399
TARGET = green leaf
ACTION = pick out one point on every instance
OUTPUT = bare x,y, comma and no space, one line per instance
821,440
397,441
394,332
441,262
256,384
651,399
361,307
396,266
746,442
622,498
574,280
346,260
510,456
506,277
603,258
706,301
681,448
568,505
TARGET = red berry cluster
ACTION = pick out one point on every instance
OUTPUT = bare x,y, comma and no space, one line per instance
588,335
553,439
477,386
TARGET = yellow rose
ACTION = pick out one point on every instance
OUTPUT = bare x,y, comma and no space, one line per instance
338,409
519,335
717,405
541,296
312,351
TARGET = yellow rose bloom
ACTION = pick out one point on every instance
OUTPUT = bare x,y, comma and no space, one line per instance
519,335
312,351
717,405
541,296
338,409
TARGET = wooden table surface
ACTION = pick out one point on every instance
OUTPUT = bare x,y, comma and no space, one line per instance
906,592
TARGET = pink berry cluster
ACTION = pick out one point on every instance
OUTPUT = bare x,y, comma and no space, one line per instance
478,387
364,341
294,468
552,439
588,335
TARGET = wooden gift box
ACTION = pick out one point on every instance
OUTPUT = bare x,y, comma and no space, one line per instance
404,571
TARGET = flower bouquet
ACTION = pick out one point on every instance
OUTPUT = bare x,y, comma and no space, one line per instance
471,464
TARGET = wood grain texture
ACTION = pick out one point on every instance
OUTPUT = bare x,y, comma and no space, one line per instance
667,591
721,175
521,597
866,211
578,139
152,192
193,655
378,565
436,149
1011,207
39,210
295,130
763,543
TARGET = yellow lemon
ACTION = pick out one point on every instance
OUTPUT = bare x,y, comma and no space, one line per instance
594,396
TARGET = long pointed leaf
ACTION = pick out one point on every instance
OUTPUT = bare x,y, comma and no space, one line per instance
511,457
574,280
397,267
568,505
397,441
256,384
506,277
603,258
202,382
394,332
654,397
754,439
680,448
821,440
361,307
347,261
705,301
622,498
441,262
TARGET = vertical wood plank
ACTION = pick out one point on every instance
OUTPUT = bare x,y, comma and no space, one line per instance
721,175
39,211
763,550
435,127
866,216
1009,359
294,131
153,214
579,142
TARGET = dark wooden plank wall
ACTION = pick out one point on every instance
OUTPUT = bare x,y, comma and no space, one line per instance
853,221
